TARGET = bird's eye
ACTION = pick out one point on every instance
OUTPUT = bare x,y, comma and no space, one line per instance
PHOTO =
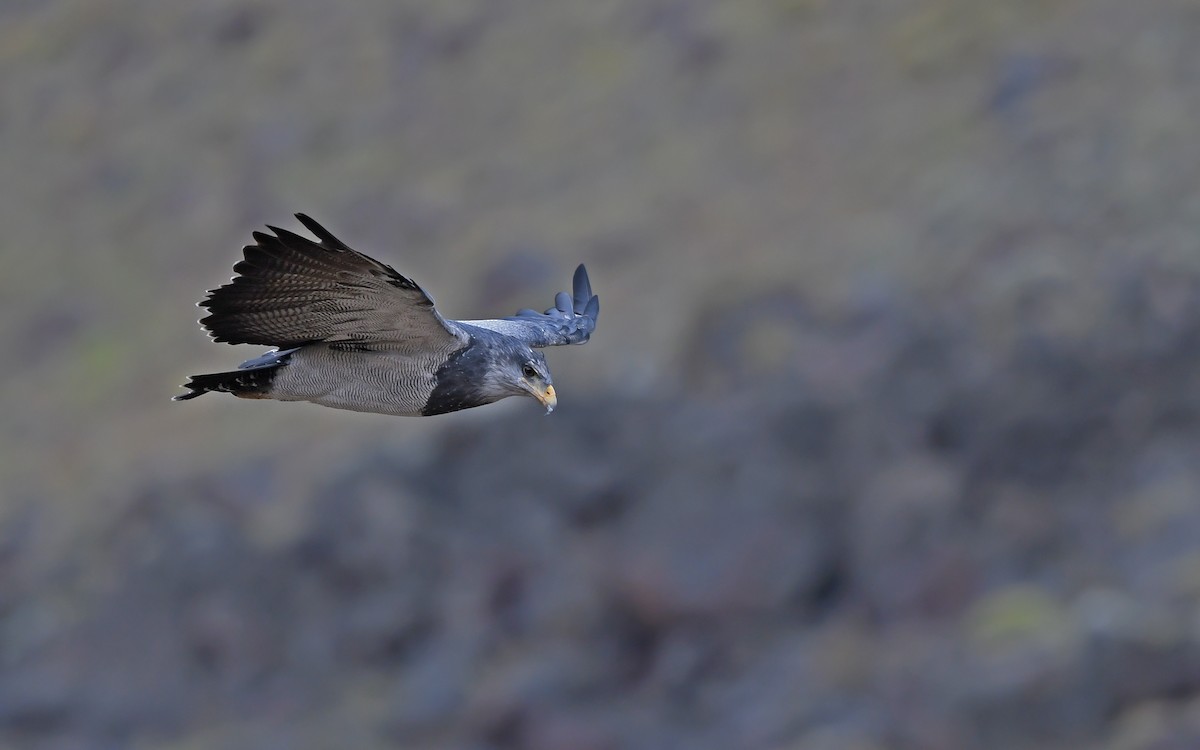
529,371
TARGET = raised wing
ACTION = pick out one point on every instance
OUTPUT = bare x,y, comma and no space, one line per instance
570,321
291,291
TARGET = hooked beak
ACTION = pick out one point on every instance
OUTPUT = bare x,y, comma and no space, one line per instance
546,396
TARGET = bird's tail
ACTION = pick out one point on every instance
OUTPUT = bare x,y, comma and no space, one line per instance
252,379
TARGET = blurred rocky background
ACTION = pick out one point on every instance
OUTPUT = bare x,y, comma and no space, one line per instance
889,438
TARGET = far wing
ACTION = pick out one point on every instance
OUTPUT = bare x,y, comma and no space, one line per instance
570,321
291,291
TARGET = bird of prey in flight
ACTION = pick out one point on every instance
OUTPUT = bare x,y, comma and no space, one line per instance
351,333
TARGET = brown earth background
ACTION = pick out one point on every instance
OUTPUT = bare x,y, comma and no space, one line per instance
889,438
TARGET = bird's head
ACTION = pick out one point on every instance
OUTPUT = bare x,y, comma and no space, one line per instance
526,374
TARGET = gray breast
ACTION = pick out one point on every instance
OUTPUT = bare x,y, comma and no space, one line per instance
465,379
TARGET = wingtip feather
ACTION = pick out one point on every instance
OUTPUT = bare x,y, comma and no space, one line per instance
321,232
581,284
290,237
581,287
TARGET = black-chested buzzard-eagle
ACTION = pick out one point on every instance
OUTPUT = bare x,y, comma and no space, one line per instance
351,333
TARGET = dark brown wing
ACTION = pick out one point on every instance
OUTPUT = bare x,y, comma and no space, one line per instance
291,291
